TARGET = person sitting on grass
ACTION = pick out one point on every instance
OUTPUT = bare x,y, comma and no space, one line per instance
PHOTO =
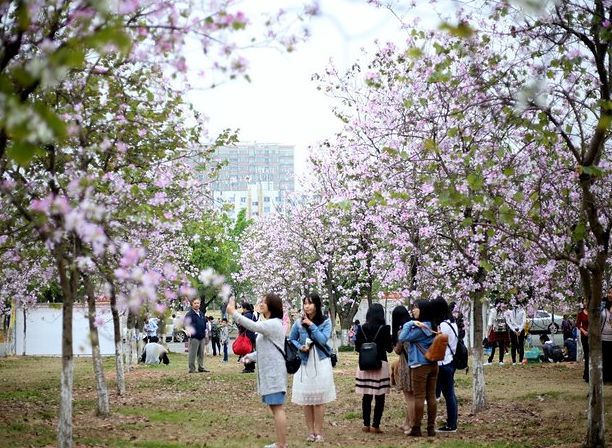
552,352
155,353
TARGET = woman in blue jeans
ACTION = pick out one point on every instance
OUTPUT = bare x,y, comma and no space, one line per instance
446,367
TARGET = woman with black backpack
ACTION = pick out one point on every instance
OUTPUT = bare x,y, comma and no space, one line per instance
446,367
373,342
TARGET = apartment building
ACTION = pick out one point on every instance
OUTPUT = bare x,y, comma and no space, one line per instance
258,177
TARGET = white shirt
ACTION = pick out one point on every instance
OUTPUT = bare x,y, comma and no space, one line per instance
153,351
445,327
516,319
151,327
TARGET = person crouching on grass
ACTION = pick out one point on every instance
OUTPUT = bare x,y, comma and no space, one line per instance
270,362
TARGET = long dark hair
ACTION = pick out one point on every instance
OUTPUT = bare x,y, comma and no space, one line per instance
316,301
375,316
399,317
442,311
426,312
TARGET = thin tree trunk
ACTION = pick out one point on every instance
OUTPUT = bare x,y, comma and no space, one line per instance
25,323
64,426
119,367
478,381
332,301
595,436
103,408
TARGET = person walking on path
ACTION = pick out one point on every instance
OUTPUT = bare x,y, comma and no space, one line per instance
374,384
271,370
446,367
516,320
582,324
313,383
420,333
403,382
195,327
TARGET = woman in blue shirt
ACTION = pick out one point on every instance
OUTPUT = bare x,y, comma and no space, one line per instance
313,383
420,333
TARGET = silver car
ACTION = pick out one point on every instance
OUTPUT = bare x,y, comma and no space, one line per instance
544,322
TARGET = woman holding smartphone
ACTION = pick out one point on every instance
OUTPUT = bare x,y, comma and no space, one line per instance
271,371
313,383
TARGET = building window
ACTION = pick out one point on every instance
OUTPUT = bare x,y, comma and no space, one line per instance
267,199
255,203
243,200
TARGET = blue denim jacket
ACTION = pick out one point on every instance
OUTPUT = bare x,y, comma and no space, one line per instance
319,333
417,335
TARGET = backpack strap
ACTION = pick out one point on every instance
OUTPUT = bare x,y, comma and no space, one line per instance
278,348
451,327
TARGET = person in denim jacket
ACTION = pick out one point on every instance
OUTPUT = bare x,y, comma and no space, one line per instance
313,383
424,372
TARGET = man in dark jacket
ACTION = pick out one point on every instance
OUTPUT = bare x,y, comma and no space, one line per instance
195,326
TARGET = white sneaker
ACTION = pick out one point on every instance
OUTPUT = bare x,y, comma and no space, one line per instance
501,363
513,363
487,363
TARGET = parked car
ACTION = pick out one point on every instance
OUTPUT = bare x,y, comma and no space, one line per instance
544,322
174,328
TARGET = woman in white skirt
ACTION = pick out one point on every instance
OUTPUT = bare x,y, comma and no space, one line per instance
313,383
374,383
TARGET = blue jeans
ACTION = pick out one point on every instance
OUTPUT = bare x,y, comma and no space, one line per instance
225,351
446,385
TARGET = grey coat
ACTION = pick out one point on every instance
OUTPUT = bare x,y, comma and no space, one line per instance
271,370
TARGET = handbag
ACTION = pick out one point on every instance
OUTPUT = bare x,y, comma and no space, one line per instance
291,356
332,356
368,353
242,345
437,349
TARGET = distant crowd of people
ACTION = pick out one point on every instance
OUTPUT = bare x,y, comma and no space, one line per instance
507,326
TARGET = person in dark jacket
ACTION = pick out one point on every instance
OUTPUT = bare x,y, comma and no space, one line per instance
195,326
374,383
247,311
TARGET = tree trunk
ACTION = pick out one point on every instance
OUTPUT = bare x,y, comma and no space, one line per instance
119,367
25,324
64,426
595,436
103,408
478,382
332,301
132,341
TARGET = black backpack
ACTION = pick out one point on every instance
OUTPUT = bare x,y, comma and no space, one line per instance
368,353
460,356
291,355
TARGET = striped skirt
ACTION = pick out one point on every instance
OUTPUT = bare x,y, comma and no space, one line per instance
373,382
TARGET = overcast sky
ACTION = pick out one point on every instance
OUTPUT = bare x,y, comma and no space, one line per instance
281,103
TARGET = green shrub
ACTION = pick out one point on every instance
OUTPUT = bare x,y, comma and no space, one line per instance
346,348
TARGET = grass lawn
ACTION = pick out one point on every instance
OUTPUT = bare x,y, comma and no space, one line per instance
165,407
